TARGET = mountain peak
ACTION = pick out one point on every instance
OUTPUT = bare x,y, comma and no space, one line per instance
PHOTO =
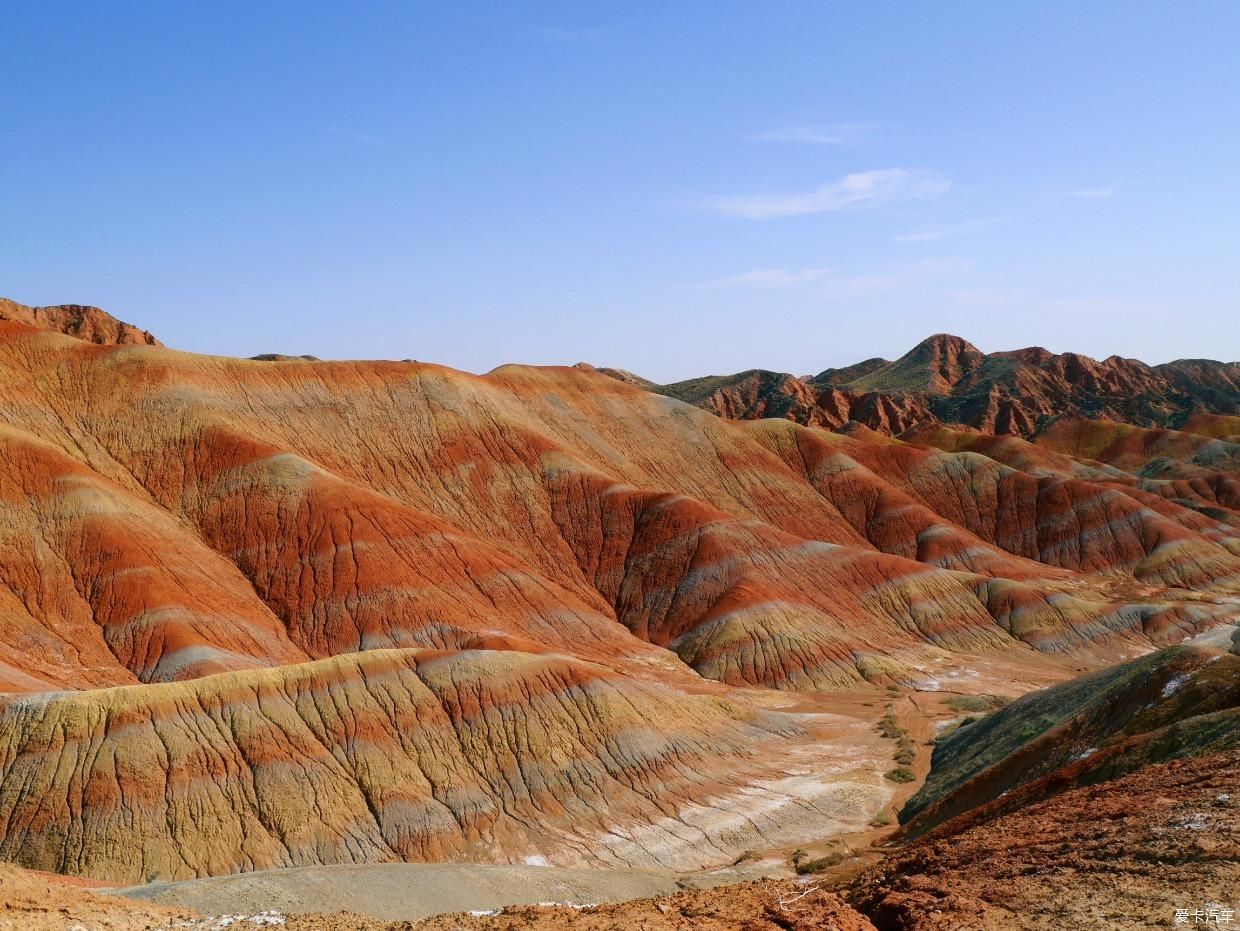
942,345
934,365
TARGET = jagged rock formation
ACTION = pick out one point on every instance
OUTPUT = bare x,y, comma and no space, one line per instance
758,393
87,323
945,379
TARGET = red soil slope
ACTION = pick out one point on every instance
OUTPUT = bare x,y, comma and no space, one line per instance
173,515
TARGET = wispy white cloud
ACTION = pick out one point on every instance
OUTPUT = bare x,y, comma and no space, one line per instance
1091,193
834,134
862,189
770,278
944,265
942,233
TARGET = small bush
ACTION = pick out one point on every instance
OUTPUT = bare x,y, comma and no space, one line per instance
890,728
822,863
880,820
901,774
906,755
967,703
1028,731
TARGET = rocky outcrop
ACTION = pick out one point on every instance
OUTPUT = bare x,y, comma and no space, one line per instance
1112,795
86,323
757,394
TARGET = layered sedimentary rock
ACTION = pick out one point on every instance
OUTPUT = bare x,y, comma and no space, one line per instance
1144,452
385,755
282,611
196,514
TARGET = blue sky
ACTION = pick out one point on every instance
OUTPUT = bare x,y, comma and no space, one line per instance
674,188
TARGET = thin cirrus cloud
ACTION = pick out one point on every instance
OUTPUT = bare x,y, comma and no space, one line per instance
854,191
942,233
770,278
835,134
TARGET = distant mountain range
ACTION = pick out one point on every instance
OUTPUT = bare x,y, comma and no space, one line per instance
947,380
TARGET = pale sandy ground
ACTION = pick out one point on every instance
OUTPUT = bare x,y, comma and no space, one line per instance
409,891
1221,637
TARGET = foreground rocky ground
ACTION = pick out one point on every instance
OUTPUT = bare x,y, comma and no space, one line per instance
34,902
1127,853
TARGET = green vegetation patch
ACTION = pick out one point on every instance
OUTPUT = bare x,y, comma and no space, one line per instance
977,703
